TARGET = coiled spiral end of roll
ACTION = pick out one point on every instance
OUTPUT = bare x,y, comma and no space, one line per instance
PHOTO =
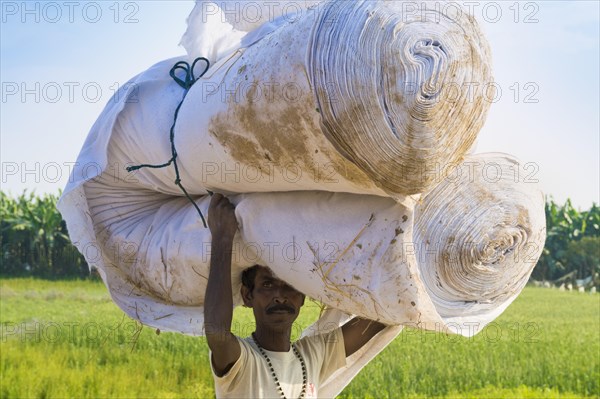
401,90
478,235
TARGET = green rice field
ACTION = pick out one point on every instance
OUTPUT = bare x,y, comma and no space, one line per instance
68,340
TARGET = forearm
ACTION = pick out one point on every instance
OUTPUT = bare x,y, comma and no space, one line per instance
357,332
218,301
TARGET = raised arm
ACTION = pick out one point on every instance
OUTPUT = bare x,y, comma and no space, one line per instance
358,332
218,301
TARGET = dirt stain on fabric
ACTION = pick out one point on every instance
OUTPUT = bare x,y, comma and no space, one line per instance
253,133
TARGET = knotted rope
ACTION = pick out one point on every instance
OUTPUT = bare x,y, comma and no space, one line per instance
186,83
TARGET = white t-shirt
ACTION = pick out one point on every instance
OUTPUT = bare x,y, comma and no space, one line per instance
250,376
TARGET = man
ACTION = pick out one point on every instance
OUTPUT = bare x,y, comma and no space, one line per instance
266,364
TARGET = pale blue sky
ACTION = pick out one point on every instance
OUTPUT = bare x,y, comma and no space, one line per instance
553,59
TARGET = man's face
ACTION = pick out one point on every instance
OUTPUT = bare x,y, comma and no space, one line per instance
273,301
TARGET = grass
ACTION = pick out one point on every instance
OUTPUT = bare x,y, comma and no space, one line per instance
68,340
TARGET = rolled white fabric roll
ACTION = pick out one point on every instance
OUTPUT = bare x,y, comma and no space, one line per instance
476,238
361,97
478,235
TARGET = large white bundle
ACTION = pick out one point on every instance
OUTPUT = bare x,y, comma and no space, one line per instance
357,97
474,243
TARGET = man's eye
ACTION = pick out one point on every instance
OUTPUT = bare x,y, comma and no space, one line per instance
267,284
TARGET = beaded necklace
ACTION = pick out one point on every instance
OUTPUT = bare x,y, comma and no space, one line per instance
300,358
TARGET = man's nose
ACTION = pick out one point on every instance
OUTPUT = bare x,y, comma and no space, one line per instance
280,295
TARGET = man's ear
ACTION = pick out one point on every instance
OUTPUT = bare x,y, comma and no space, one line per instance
246,296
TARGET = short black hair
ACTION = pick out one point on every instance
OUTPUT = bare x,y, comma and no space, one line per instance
248,277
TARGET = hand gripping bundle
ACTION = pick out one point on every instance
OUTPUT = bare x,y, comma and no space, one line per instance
341,130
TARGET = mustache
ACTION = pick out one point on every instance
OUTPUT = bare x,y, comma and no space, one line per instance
281,307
